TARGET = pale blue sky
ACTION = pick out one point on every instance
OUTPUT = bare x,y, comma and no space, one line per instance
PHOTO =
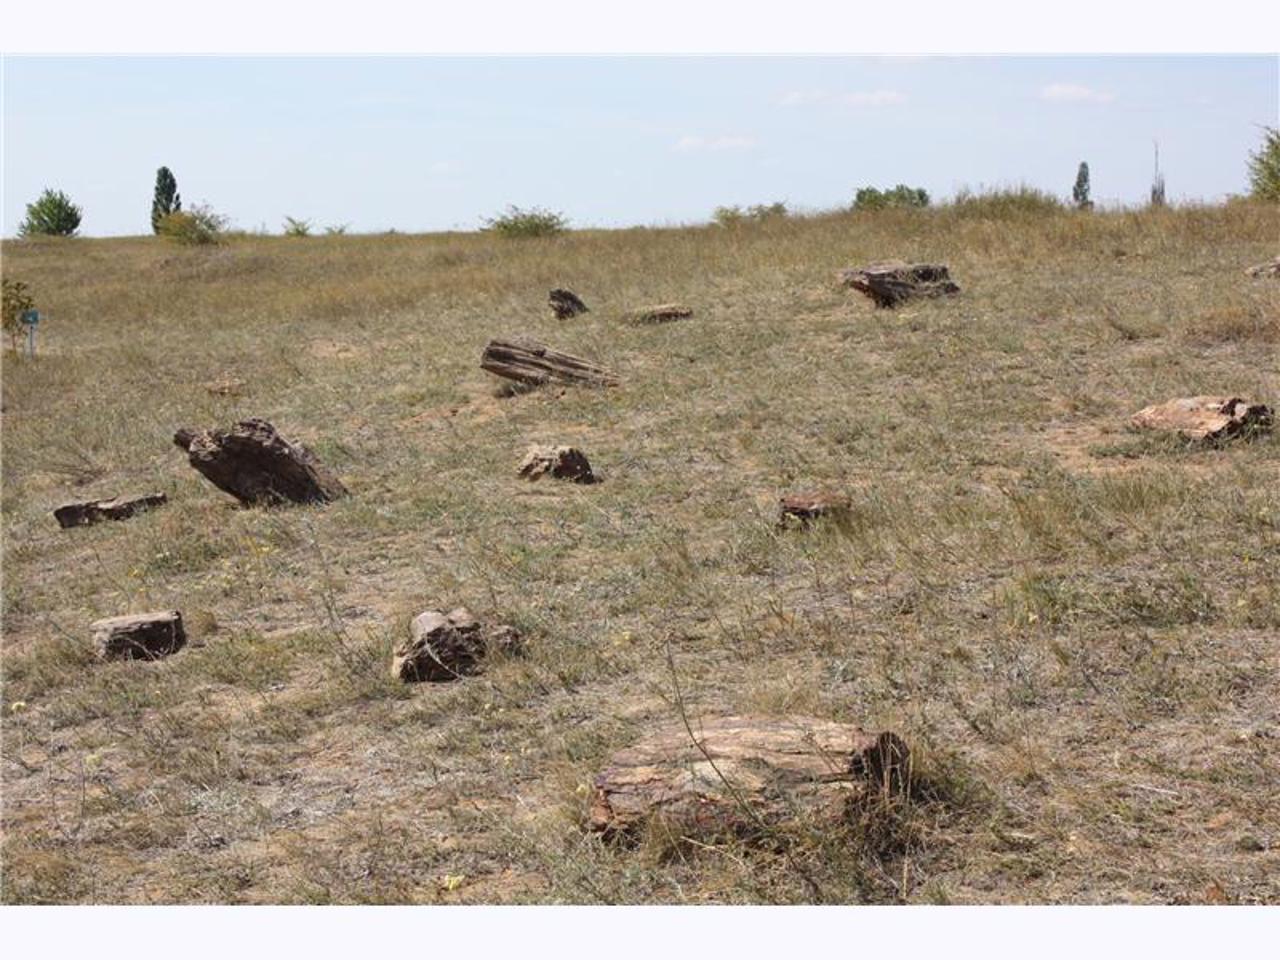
438,143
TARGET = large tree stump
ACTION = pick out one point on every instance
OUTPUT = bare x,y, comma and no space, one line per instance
256,465
448,646
533,364
891,282
562,463
86,512
1206,419
566,304
140,636
743,772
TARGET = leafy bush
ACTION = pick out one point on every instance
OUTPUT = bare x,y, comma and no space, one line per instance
756,213
166,199
15,301
52,215
534,222
296,228
1005,201
1264,167
869,198
197,226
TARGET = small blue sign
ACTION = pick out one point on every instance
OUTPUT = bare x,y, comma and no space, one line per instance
30,317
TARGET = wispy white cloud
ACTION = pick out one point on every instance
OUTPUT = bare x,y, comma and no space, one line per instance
1074,93
692,144
855,98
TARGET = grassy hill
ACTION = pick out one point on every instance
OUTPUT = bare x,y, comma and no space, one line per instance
1076,627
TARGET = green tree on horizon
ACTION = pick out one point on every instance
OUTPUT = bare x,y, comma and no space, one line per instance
166,199
51,215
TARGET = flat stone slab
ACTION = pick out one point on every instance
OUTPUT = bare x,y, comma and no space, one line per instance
139,636
891,282
804,508
739,772
84,512
449,646
562,463
659,313
1206,419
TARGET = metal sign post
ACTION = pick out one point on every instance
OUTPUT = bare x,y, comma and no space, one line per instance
31,318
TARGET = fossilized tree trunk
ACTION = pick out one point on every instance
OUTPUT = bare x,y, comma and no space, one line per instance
532,363
894,281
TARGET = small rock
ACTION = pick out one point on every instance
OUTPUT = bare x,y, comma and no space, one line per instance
563,463
139,636
1206,419
566,304
449,646
805,507
1271,269
86,512
662,313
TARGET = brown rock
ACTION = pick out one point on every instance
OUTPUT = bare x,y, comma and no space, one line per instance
1206,419
1271,269
140,636
744,771
532,363
661,313
449,646
86,512
563,463
256,465
804,507
566,304
891,282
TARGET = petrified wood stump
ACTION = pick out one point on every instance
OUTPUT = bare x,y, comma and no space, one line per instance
743,771
86,512
448,646
803,508
566,304
562,463
533,364
256,465
893,281
662,313
1207,419
140,636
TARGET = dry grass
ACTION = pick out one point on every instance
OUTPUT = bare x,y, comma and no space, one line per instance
1077,628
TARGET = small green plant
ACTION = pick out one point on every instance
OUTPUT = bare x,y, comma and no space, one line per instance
17,299
51,215
166,199
534,222
296,228
336,230
1264,167
1080,192
195,227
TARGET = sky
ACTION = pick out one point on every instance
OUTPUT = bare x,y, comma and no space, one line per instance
439,143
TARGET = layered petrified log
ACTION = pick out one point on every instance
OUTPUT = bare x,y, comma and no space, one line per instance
739,773
256,465
562,463
448,646
566,304
1207,419
661,313
533,364
140,636
803,508
85,512
891,282
1271,269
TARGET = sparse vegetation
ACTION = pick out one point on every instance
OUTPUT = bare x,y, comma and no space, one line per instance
199,226
52,214
521,223
871,198
294,227
17,300
1264,167
756,213
1003,202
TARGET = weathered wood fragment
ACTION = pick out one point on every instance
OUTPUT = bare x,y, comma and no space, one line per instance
256,465
566,304
532,363
806,507
1207,419
448,646
140,636
661,313
738,773
1271,269
85,512
562,463
891,282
